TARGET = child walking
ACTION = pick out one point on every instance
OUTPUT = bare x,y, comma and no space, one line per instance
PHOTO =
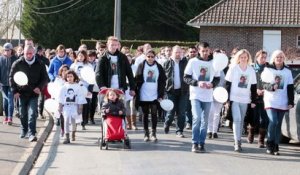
71,100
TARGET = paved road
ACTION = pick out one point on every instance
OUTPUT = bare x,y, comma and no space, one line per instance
12,148
170,155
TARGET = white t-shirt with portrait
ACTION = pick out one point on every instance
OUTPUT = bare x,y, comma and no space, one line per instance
241,81
114,68
70,96
201,71
148,90
278,99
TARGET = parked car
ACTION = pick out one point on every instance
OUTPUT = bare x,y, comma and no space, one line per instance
291,123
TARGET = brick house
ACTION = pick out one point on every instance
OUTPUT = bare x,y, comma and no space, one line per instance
252,24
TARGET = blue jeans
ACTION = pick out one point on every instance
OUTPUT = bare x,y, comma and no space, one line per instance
28,114
200,111
180,104
238,115
188,112
275,121
8,104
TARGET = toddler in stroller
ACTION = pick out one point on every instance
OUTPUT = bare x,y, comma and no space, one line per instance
113,119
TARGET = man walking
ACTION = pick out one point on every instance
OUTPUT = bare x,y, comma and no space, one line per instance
28,94
201,90
177,90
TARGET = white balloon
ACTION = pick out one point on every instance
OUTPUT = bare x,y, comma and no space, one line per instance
87,73
220,94
267,76
20,78
220,61
54,89
167,105
51,105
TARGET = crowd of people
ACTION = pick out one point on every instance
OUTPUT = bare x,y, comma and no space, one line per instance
183,75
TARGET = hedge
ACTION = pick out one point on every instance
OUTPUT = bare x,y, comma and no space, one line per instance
135,43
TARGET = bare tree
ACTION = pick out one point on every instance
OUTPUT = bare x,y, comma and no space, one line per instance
9,10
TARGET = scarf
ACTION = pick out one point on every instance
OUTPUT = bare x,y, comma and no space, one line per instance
30,62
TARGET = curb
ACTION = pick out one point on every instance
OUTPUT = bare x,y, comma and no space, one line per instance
26,162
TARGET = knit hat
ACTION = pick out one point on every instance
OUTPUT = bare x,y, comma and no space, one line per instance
8,46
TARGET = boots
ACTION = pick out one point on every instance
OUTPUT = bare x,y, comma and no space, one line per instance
250,134
133,122
73,135
67,139
261,138
270,147
153,135
128,122
146,137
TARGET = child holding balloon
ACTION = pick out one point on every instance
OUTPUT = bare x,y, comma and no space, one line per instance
71,100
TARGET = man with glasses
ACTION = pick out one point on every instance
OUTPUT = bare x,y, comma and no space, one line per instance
6,60
28,94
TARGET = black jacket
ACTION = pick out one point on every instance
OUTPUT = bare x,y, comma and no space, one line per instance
36,74
5,67
169,70
139,79
104,72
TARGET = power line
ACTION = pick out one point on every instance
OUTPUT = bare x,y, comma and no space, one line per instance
57,11
51,7
83,5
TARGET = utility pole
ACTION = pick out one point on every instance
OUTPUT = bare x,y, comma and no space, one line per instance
117,19
20,33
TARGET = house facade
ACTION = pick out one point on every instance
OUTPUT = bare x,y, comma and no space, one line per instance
252,24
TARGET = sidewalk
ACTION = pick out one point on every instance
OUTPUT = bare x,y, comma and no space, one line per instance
17,155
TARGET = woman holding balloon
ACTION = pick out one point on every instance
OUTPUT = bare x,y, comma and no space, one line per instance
278,97
241,87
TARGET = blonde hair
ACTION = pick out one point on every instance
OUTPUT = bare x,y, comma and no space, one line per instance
119,96
112,38
275,54
236,57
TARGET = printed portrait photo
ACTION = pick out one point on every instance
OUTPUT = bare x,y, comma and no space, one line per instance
151,76
114,68
243,82
71,96
204,74
279,81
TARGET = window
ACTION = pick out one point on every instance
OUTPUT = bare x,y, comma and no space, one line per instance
298,41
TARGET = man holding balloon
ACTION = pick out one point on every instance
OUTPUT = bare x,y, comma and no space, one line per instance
201,94
27,78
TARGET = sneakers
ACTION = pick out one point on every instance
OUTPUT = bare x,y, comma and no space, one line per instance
5,121
215,135
9,121
202,149
83,128
195,148
166,129
179,134
188,126
209,135
153,136
32,138
276,150
23,134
